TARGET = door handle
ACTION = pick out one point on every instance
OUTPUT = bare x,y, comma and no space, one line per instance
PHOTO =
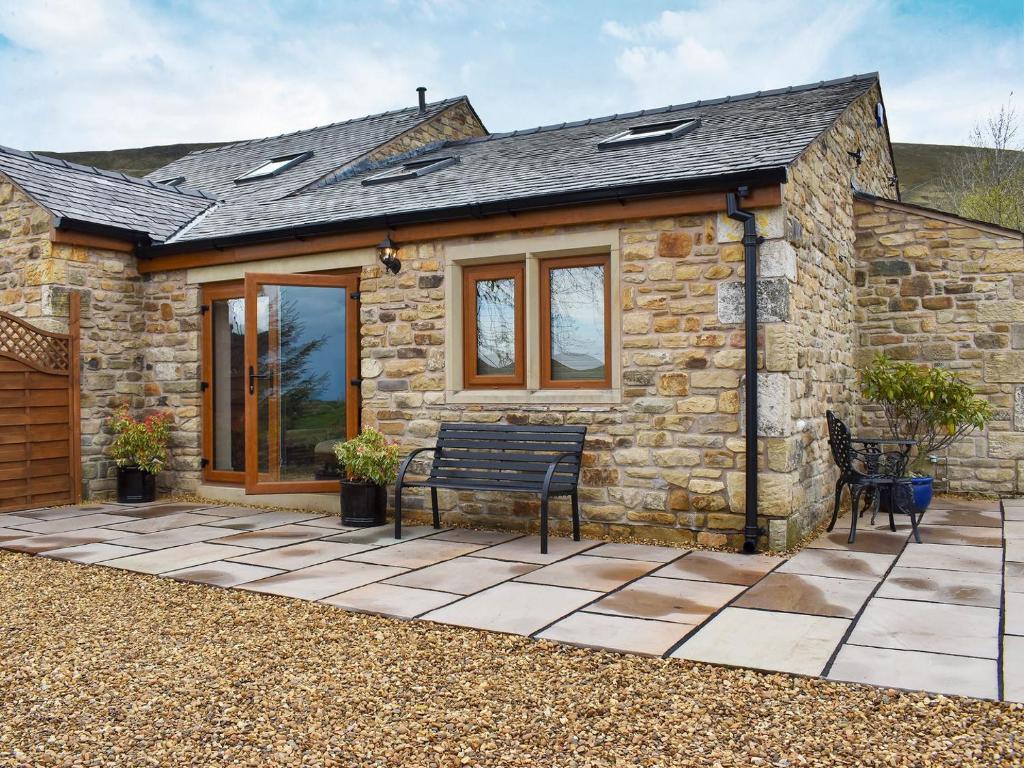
252,379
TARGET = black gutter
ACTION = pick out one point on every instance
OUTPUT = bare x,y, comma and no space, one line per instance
138,238
761,177
751,531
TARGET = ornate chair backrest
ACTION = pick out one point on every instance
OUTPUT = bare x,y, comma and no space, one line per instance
839,441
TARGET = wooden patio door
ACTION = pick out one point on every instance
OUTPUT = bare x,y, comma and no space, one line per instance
302,379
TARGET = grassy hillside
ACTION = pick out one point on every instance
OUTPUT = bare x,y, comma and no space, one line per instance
134,162
919,165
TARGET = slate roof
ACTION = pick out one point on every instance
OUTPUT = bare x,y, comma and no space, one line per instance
755,132
102,198
214,170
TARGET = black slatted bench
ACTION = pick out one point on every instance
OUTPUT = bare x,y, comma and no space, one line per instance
499,457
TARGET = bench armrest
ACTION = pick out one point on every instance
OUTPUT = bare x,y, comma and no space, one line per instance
554,465
408,460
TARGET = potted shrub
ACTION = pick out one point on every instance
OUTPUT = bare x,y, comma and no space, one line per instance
926,404
369,463
140,451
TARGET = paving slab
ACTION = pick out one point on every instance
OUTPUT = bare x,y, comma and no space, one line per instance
77,523
721,567
464,575
952,557
1013,514
175,558
469,536
230,511
527,550
163,522
12,520
647,552
390,600
268,538
167,507
582,572
869,566
779,642
989,517
1013,577
676,600
54,513
256,522
1014,613
916,670
1013,529
35,544
332,522
817,595
10,534
961,534
415,554
92,553
961,630
1013,668
382,535
222,573
616,633
322,580
880,542
174,537
295,556
1014,550
935,586
519,609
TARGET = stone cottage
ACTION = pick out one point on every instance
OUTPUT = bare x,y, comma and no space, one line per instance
589,273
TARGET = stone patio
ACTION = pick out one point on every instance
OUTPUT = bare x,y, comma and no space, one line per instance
945,616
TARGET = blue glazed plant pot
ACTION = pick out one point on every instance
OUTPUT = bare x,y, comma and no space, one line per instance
922,492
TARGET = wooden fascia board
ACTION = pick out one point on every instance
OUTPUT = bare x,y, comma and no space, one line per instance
677,205
87,240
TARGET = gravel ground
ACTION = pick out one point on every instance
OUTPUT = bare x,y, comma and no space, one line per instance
100,667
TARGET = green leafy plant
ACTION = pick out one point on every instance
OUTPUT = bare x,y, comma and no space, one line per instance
928,405
141,444
368,457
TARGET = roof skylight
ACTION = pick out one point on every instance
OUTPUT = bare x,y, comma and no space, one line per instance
174,181
274,166
642,134
411,170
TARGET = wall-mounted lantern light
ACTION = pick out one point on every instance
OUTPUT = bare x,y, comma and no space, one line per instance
387,252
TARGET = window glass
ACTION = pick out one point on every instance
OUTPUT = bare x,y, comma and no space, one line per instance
578,323
496,327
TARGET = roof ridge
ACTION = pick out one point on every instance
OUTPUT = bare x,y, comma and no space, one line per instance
115,175
667,109
351,120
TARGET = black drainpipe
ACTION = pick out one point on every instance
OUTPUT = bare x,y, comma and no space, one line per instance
750,242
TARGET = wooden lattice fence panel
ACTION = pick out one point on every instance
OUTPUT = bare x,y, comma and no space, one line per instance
39,414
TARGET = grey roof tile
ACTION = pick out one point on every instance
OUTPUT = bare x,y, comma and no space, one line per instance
738,134
87,194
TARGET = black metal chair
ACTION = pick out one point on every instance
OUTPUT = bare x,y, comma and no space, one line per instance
869,472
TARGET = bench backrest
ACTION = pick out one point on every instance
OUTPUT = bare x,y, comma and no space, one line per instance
502,452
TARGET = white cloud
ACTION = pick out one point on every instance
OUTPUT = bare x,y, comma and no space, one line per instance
124,75
938,79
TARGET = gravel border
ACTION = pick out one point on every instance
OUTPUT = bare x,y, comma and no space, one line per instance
100,667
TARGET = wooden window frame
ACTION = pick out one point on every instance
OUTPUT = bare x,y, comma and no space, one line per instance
545,268
471,275
211,293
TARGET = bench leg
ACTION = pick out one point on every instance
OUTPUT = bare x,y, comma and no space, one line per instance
433,506
575,517
398,512
544,525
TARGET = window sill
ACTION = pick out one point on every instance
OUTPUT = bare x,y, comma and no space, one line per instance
534,396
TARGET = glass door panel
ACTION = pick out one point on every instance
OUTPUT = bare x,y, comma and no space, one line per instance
228,383
301,366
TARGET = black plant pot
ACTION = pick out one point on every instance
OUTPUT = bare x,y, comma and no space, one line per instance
363,504
135,485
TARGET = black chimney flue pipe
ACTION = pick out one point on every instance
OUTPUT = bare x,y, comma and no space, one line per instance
422,91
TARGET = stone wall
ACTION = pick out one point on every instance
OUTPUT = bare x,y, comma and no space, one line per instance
660,464
139,339
938,290
813,354
459,121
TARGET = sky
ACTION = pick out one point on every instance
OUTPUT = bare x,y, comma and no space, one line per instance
106,74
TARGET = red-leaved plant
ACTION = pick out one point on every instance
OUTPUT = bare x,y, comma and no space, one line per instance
141,444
